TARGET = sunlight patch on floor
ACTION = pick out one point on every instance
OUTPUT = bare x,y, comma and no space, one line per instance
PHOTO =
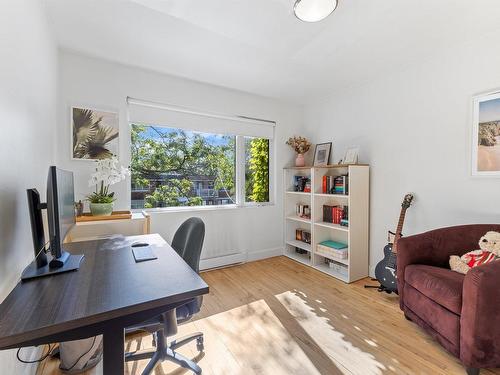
248,339
348,358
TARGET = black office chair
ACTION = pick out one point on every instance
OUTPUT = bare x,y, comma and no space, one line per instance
187,242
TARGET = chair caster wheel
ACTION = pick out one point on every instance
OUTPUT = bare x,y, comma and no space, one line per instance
200,344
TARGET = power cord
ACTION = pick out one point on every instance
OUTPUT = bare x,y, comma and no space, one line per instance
83,355
42,358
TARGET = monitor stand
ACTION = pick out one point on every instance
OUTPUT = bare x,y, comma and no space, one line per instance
65,263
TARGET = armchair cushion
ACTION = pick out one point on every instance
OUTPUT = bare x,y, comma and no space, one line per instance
444,322
438,284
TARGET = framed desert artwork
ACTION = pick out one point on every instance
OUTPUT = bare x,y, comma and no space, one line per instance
94,134
486,135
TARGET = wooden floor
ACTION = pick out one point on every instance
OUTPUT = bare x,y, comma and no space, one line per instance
277,316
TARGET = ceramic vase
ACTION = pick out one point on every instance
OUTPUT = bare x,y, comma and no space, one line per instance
299,161
101,209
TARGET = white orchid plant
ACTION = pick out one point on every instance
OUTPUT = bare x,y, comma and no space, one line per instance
107,173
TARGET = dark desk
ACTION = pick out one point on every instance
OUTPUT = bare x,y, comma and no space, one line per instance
108,293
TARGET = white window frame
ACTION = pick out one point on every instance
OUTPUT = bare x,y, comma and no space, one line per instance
239,175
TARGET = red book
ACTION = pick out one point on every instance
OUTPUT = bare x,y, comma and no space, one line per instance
324,185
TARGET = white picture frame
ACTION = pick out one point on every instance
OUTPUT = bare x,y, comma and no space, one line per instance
485,143
109,123
351,155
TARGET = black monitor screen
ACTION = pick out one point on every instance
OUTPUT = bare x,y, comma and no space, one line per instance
60,207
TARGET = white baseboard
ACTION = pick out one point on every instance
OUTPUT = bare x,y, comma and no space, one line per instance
263,254
228,260
222,261
371,271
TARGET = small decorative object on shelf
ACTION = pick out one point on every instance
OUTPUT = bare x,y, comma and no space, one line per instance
107,173
322,154
351,155
300,145
79,208
303,211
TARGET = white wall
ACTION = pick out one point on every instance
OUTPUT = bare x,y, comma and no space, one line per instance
28,62
96,83
413,127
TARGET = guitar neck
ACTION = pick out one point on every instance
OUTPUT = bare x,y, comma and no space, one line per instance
399,229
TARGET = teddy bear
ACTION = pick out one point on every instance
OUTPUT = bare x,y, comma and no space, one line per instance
489,251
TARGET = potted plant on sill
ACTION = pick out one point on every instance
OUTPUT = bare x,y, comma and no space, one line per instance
301,145
107,173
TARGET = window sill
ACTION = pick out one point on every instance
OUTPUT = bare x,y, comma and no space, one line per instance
164,210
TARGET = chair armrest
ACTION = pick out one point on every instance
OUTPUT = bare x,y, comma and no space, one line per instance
480,318
417,249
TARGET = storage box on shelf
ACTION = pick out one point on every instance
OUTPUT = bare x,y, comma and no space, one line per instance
345,187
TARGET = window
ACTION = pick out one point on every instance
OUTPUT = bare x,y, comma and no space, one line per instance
256,169
175,166
181,168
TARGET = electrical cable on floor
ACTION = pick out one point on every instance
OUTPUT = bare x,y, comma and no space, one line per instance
42,358
83,355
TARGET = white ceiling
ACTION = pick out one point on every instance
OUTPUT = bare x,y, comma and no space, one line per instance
259,46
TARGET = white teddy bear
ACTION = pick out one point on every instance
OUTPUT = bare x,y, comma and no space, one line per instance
490,251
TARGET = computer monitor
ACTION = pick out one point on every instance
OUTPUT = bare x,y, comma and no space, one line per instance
60,219
60,211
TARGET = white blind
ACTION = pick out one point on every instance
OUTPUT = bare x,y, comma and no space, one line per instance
145,112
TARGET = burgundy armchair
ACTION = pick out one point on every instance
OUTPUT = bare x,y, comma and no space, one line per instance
461,312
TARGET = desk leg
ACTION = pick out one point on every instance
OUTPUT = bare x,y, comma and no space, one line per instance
113,351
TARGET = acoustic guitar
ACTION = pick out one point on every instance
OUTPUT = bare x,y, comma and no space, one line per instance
385,271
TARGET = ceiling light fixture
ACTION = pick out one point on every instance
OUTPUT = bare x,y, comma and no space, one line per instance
314,10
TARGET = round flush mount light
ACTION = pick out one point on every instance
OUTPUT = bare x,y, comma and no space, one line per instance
314,10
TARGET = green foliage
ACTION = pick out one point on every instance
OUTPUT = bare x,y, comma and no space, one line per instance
101,198
257,170
176,153
171,195
101,195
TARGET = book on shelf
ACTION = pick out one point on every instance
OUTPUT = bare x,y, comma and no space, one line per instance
302,184
328,252
334,244
333,249
336,214
335,185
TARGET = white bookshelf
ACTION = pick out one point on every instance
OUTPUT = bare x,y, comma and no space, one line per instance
355,267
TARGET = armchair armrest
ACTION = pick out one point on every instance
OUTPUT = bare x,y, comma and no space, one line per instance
480,319
417,249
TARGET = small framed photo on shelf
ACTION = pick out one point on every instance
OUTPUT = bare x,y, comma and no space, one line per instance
351,155
322,154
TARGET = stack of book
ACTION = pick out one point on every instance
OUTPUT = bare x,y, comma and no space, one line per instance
340,185
336,215
335,185
333,250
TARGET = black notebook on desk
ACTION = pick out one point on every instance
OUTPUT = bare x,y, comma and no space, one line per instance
143,252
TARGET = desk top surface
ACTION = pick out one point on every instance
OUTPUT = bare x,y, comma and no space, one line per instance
108,285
